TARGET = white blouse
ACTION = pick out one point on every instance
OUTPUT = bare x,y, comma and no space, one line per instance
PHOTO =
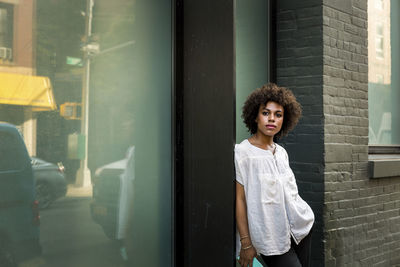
275,211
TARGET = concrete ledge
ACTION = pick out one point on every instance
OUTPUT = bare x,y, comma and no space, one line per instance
381,166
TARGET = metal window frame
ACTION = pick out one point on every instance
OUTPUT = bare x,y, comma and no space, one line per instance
384,149
177,133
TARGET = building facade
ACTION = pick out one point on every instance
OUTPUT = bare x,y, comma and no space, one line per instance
22,93
324,52
331,53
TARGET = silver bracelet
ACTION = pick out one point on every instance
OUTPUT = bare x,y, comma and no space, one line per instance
247,247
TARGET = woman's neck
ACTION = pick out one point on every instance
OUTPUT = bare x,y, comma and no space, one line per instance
262,141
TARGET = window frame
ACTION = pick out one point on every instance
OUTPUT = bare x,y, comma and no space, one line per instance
383,149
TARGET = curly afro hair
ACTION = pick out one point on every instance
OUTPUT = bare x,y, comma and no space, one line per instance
271,92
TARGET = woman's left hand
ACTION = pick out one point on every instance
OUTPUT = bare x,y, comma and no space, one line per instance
247,256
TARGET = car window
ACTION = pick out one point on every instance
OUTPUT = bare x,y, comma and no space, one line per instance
12,157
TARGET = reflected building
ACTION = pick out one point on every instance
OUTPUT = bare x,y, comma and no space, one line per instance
22,93
379,49
383,126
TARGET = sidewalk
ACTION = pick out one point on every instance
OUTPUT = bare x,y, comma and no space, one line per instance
74,191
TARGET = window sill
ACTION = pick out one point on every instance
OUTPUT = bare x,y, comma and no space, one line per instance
384,165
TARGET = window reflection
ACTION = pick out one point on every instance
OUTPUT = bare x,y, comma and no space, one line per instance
379,40
383,58
123,215
379,4
6,31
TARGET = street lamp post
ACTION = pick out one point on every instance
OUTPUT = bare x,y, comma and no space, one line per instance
90,49
83,174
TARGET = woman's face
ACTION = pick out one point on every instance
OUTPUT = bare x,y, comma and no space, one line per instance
269,119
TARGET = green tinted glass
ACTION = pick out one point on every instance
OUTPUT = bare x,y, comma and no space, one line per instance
88,85
252,56
383,66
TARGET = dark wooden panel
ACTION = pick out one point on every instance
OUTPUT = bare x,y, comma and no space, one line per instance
208,133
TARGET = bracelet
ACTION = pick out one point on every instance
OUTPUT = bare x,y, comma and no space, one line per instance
247,247
243,237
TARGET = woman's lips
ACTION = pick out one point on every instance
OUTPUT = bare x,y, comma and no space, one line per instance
269,126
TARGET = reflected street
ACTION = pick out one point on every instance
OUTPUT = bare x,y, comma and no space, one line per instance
69,237
83,82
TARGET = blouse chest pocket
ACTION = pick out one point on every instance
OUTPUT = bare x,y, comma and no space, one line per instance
269,188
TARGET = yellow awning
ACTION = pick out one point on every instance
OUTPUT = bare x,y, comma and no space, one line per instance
25,90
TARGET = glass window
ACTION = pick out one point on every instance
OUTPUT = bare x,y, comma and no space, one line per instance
383,62
379,4
90,91
379,40
6,31
379,46
379,78
252,54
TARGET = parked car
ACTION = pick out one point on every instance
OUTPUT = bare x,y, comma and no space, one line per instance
50,181
106,190
113,196
19,213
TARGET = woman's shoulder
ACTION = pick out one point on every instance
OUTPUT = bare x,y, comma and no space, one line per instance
241,148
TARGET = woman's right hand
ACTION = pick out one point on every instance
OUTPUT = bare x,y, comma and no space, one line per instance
246,257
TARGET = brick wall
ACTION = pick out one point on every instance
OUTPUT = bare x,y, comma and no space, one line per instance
299,67
361,215
322,56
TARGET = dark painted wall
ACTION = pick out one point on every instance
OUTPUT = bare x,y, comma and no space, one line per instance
299,58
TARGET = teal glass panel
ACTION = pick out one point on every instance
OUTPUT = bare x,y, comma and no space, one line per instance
134,82
252,56
88,85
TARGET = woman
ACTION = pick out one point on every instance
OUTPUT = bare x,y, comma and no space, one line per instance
272,219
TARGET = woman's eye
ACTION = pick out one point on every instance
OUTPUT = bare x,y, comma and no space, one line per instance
279,115
265,113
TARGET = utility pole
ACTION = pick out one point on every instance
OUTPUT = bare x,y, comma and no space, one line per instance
83,174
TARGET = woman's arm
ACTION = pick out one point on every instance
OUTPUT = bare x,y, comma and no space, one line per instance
247,251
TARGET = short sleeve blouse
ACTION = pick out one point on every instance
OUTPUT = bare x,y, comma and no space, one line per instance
275,211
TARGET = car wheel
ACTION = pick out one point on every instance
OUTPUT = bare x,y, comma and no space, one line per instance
44,195
6,256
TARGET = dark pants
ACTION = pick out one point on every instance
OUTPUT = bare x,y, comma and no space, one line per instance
297,256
